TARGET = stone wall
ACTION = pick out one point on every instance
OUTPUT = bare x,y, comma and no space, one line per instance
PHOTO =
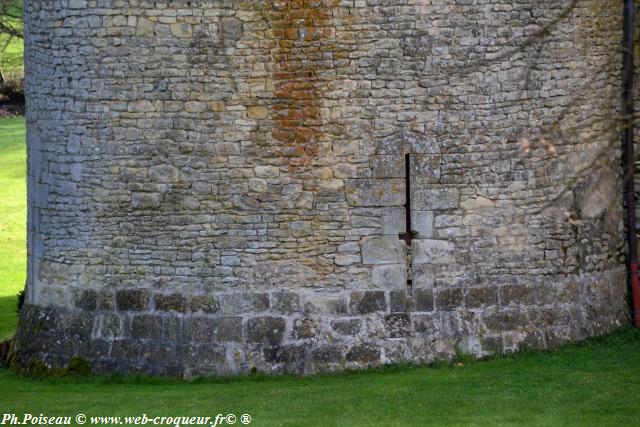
216,185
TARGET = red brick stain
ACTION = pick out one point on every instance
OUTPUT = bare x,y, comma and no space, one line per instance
298,28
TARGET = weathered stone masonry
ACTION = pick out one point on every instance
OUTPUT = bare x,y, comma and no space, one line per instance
219,185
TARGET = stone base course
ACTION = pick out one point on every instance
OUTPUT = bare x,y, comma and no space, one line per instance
375,328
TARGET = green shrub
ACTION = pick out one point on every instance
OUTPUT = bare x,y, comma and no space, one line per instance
12,91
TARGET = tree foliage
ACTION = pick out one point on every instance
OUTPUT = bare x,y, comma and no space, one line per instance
11,28
11,18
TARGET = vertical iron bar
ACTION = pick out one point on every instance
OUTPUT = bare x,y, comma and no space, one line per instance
407,175
407,236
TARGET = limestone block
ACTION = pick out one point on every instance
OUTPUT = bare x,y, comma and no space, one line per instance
474,203
393,220
344,260
228,329
389,276
181,30
266,330
164,173
388,166
397,325
326,354
448,299
400,301
427,251
364,353
436,199
424,299
375,192
481,297
145,200
422,223
172,302
350,247
383,250
285,302
204,304
349,327
142,106
145,28
320,304
300,228
146,326
425,169
54,273
132,299
257,112
231,28
407,142
267,171
363,302
517,294
236,303
199,329
305,328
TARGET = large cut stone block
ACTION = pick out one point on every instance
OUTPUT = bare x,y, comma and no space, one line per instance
320,304
449,299
397,325
363,353
422,223
436,199
383,250
367,302
389,275
388,166
172,302
266,330
427,251
146,326
132,299
347,326
425,169
375,192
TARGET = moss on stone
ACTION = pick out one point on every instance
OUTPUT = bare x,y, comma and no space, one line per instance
78,366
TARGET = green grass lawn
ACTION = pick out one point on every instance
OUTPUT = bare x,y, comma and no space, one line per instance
596,383
13,191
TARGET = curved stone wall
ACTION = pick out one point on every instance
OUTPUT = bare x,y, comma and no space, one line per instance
220,185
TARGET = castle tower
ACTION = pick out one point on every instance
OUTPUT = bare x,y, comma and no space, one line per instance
307,185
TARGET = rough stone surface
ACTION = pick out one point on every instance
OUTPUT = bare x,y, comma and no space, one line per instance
218,186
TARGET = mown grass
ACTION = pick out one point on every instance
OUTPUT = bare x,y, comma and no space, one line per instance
593,384
13,194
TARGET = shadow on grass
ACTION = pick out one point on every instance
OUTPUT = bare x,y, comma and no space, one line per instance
8,316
